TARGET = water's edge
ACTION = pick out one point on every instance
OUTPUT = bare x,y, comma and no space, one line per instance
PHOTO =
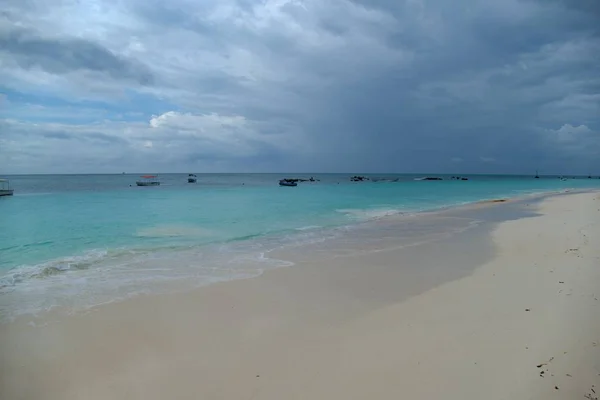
78,289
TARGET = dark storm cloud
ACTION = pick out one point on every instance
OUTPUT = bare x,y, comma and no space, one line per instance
483,95
378,85
62,55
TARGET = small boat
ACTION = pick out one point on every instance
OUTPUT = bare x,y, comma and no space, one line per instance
148,180
5,189
192,178
285,182
537,176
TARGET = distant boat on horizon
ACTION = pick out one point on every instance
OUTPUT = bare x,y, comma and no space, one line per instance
287,182
5,189
148,180
537,176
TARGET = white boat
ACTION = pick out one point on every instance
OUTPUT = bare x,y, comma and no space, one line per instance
148,180
5,189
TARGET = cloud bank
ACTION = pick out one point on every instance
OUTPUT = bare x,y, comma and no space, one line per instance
300,85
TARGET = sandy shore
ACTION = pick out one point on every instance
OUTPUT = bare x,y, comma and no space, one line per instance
501,311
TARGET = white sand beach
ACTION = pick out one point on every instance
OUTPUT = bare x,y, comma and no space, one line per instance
509,314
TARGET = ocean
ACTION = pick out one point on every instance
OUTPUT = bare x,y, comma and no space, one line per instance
76,241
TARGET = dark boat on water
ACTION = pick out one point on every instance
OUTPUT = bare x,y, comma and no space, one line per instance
286,182
191,178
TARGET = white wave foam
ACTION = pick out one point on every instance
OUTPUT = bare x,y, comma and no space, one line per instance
308,227
369,214
100,276
53,267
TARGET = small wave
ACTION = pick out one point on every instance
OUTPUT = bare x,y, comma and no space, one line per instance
369,214
53,267
102,276
26,246
308,227
262,260
162,231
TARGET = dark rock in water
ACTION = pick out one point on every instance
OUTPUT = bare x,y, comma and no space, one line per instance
358,178
464,179
432,178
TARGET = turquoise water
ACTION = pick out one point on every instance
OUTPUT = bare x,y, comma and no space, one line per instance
58,230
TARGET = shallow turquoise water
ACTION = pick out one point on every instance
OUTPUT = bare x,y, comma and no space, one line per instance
59,227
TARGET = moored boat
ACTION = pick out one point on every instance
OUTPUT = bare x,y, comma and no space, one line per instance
286,182
148,180
5,189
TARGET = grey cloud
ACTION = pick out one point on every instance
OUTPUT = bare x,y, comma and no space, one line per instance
57,135
376,85
104,138
589,7
96,137
61,55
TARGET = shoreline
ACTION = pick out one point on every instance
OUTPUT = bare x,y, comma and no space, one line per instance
279,261
464,316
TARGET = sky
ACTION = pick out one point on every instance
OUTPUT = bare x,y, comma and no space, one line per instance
462,86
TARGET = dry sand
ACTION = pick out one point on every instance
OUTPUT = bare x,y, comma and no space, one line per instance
515,315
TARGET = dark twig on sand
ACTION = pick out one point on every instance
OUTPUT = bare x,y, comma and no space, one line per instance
546,363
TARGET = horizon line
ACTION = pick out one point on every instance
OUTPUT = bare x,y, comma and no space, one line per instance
303,173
